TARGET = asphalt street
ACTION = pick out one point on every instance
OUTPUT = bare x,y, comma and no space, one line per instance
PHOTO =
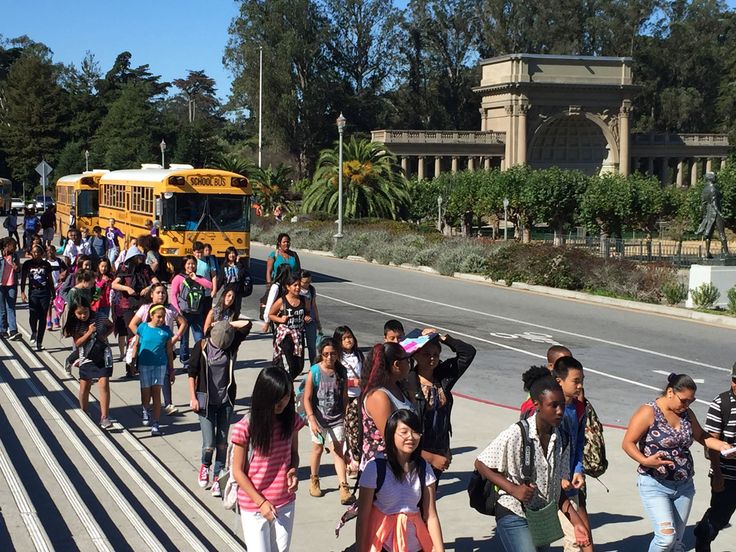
627,354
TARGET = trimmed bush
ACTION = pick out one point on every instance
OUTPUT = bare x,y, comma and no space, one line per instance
675,292
425,257
705,295
732,300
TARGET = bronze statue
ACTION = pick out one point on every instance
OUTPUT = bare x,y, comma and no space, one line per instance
710,201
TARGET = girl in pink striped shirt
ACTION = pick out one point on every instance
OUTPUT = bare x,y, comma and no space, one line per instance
265,460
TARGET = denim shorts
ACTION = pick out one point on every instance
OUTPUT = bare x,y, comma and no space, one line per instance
152,375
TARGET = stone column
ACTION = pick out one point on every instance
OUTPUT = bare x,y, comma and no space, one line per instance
664,171
487,162
454,163
509,153
521,142
694,171
650,166
437,166
471,163
503,163
405,165
709,164
723,162
482,119
680,173
623,136
420,168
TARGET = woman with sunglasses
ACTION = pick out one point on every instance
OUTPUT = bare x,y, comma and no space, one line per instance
659,437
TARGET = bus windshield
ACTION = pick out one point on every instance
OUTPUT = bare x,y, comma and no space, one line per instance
87,203
206,212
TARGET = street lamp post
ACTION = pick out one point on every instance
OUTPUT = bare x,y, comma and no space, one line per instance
340,129
505,219
86,160
260,105
439,213
162,145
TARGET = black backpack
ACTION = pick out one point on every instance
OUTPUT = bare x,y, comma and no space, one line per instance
483,494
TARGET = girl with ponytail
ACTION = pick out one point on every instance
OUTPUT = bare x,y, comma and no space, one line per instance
383,394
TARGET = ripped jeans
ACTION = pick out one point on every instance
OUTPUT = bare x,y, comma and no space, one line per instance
667,504
215,427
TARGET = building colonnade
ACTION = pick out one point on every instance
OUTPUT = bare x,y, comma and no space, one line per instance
682,171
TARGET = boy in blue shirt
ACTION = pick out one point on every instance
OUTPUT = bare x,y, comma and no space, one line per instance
569,374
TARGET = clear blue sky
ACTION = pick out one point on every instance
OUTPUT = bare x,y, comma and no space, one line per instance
172,36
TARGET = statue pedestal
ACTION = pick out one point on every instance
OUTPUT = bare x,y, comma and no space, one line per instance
720,275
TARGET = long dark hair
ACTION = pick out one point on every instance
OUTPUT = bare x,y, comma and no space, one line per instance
412,420
229,250
339,333
73,324
382,358
272,384
340,371
221,301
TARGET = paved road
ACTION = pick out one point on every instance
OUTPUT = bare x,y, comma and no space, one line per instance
627,353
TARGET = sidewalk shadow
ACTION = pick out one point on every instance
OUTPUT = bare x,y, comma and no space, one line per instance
258,271
634,542
452,483
599,519
469,544
462,450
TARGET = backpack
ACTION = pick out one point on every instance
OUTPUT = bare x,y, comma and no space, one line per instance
228,485
6,223
482,494
594,451
382,464
190,296
246,284
97,352
314,372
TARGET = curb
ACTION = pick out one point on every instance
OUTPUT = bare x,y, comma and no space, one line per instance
676,312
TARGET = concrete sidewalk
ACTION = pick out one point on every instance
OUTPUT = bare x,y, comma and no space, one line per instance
618,517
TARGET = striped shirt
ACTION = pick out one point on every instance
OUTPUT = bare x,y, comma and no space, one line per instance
267,473
726,428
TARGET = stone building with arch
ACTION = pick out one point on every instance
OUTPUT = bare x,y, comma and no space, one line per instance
566,111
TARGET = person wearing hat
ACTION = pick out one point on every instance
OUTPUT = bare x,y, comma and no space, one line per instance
133,281
721,424
212,391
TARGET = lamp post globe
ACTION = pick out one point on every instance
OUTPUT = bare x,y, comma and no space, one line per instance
162,145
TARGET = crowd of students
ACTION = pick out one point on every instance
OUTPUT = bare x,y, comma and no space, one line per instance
384,414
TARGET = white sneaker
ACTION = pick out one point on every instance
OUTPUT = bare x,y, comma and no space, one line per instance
146,417
155,431
170,409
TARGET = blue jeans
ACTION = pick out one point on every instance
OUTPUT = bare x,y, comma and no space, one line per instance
8,295
196,322
310,333
667,504
514,533
215,427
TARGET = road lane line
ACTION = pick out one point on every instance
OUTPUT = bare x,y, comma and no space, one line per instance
208,517
121,502
664,373
483,340
27,512
85,516
548,328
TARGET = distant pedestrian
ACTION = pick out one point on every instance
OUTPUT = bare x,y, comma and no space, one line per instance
98,245
155,358
397,506
9,276
314,328
48,224
234,270
282,255
11,225
72,219
37,275
265,462
113,235
721,424
31,227
659,437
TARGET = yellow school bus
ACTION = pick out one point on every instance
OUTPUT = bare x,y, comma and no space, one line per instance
188,205
78,191
6,195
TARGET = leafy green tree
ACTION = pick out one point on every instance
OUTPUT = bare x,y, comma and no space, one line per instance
272,185
235,163
554,196
607,205
648,204
31,116
373,184
125,136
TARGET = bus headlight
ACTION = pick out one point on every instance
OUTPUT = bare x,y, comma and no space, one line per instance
169,251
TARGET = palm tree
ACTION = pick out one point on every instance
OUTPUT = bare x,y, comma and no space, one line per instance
373,183
234,163
272,185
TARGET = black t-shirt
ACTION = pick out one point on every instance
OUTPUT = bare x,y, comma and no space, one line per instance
38,275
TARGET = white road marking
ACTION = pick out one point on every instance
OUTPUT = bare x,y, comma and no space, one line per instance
547,328
85,516
209,519
122,503
483,340
696,380
25,507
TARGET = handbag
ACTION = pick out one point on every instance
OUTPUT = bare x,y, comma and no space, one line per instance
544,524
